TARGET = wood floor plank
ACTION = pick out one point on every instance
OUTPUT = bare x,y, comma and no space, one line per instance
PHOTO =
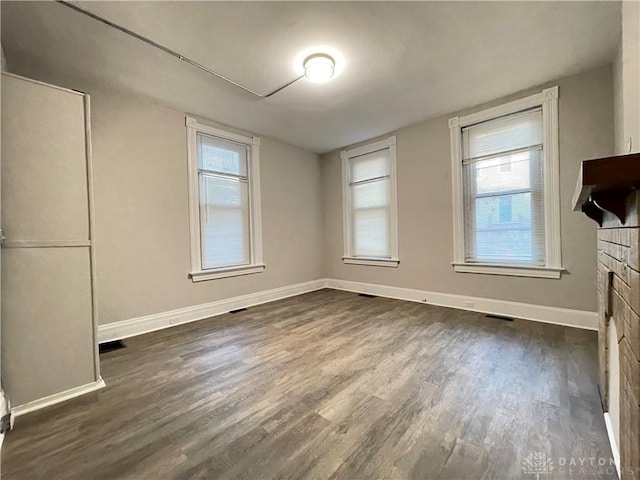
329,385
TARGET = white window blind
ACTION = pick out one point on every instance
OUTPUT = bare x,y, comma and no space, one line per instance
503,190
223,182
370,192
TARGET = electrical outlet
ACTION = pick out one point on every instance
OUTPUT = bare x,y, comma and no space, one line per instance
469,304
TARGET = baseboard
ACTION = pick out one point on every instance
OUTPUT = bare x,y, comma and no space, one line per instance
159,321
527,311
4,409
612,441
56,398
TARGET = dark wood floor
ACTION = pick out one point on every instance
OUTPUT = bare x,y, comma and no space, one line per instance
330,385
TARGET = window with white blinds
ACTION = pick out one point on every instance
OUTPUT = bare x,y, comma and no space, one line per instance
370,223
506,192
224,203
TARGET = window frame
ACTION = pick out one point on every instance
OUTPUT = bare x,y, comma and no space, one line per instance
349,257
256,264
547,99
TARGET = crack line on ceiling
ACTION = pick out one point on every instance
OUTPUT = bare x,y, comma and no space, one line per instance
179,56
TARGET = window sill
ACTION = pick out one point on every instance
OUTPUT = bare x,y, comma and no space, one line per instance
375,262
508,270
226,272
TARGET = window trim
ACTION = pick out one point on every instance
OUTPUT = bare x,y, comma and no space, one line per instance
349,258
256,265
548,100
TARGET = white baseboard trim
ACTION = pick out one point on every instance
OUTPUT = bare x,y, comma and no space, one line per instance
56,398
158,321
4,409
526,311
612,441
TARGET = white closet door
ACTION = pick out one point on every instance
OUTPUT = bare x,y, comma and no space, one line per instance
48,343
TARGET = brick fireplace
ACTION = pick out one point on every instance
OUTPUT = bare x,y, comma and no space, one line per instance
608,193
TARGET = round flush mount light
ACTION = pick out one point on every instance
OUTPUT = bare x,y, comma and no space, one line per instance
319,67
319,63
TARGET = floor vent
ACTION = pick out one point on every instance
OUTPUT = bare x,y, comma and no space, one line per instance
367,295
499,317
111,346
238,310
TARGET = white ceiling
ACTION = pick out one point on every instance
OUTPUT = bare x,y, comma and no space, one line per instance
404,62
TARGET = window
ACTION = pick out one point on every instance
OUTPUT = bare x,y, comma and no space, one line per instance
506,189
370,204
224,200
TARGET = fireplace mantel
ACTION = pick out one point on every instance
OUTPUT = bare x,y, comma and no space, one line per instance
604,185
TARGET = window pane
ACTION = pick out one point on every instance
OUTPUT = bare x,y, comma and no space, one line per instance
492,177
370,195
370,204
217,155
371,165
515,131
504,210
371,233
224,222
504,228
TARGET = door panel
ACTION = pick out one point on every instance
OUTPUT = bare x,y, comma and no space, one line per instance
44,172
47,328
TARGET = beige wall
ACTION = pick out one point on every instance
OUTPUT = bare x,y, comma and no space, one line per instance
142,223
425,215
627,81
142,215
142,220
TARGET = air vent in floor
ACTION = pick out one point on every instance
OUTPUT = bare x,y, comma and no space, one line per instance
238,310
499,317
111,346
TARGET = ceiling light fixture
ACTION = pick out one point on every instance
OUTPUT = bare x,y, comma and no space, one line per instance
319,67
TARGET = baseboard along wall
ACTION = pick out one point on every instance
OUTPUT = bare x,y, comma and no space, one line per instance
56,398
526,311
4,409
158,321
612,441
149,323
